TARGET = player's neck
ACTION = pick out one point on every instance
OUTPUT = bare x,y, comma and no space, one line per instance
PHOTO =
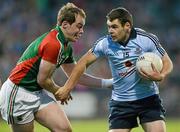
126,38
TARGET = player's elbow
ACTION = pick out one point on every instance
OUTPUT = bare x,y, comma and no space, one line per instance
169,65
41,81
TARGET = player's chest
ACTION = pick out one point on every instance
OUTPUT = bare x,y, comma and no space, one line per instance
64,54
118,52
123,59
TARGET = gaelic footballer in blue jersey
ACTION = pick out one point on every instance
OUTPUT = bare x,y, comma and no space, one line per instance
132,96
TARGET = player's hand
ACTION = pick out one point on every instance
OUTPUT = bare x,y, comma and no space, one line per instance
65,101
154,75
63,95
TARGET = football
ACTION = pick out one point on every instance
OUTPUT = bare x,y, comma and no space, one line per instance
144,61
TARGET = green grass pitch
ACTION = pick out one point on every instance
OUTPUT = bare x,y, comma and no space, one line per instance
95,126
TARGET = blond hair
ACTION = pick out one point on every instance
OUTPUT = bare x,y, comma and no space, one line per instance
68,13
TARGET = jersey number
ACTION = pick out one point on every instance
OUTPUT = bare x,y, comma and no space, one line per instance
126,54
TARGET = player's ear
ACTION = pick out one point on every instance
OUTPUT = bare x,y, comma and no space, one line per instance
64,24
127,25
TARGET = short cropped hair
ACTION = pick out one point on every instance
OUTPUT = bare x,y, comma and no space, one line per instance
68,13
122,14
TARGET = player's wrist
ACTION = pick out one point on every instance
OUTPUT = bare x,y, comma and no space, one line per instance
106,83
162,76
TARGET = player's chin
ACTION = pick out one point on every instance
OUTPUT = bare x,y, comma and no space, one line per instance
114,38
74,39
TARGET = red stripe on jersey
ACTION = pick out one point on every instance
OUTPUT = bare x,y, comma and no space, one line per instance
22,69
50,47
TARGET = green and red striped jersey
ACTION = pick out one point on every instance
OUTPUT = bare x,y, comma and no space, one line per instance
51,47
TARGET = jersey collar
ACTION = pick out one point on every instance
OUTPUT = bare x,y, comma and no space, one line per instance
61,35
133,35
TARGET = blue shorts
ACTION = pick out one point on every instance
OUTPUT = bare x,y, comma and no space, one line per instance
123,115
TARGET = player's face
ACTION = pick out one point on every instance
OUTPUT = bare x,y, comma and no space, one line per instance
74,31
118,32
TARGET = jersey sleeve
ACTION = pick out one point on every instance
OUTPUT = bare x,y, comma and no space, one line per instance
155,46
49,51
99,48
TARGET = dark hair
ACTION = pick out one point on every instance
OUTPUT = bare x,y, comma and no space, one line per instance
121,14
68,13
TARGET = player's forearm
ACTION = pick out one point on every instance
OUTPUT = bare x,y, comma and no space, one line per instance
49,85
75,76
90,81
87,79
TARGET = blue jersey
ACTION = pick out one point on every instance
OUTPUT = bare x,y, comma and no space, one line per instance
127,84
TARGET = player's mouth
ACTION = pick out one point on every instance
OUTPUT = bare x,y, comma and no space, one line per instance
77,36
113,37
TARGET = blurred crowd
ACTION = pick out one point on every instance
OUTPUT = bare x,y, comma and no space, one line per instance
21,21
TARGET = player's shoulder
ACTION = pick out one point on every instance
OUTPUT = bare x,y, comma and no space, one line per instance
142,34
53,34
146,35
53,38
101,40
100,43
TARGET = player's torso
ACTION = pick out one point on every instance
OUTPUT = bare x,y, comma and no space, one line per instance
128,85
123,59
26,71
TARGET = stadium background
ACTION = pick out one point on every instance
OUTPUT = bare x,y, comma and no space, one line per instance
21,21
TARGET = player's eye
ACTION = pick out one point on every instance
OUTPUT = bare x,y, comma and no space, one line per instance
114,26
79,26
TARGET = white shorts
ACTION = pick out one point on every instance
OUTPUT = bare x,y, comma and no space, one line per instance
17,105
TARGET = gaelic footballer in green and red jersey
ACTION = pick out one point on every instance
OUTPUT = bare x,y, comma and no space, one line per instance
51,47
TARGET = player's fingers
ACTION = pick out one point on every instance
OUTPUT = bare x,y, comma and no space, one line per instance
66,102
62,102
154,68
70,97
144,74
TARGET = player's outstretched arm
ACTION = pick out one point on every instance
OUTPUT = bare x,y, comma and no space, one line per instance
87,79
78,70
